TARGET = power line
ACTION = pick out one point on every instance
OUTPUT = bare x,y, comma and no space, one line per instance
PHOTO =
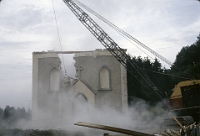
58,36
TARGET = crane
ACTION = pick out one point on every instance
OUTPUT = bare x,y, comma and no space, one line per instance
124,34
114,49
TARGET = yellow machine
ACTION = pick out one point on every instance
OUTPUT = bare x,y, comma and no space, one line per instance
185,99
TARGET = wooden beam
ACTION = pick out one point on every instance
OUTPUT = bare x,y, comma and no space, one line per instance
113,129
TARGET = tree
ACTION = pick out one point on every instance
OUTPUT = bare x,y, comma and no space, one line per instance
9,113
1,114
155,73
187,63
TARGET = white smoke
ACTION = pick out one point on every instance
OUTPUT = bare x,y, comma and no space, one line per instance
63,109
139,117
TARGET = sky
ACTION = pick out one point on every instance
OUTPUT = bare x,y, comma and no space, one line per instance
26,26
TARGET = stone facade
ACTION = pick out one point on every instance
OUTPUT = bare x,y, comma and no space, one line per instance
105,76
101,80
43,92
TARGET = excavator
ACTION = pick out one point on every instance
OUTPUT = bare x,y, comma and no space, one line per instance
185,96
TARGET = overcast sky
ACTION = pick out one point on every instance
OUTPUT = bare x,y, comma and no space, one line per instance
29,25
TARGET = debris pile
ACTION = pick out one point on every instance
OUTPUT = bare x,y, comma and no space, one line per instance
191,130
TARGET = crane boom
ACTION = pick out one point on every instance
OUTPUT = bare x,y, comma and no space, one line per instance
124,33
113,48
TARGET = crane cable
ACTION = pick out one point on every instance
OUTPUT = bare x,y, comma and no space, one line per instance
108,23
65,71
123,32
161,73
130,38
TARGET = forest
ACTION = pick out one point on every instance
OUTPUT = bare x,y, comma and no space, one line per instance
11,115
185,67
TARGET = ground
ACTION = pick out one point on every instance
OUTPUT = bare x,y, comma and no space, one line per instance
30,132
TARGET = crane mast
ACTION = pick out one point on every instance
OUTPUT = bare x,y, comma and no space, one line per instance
113,48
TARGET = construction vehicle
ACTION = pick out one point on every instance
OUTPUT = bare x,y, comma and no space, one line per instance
180,96
185,100
186,94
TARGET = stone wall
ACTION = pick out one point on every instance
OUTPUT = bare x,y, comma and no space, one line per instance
89,65
101,81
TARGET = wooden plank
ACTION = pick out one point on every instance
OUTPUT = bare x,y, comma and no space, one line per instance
113,129
179,124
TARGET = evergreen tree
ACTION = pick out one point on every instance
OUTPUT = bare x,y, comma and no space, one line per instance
187,63
11,115
1,114
155,72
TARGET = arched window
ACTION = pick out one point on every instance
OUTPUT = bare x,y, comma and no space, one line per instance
54,80
104,78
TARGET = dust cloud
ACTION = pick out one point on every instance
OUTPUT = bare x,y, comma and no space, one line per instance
139,117
63,109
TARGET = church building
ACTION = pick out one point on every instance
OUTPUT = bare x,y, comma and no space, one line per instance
101,81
